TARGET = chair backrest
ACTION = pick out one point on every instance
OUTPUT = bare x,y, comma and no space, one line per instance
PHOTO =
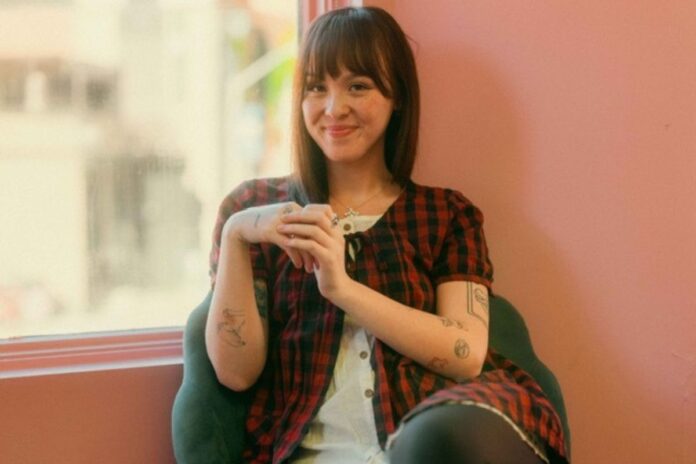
509,336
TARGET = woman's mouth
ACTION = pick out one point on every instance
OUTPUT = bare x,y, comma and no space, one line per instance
339,131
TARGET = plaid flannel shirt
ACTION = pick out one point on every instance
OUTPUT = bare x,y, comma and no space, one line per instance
428,236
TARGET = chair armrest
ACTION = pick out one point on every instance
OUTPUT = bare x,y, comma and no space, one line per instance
207,417
509,336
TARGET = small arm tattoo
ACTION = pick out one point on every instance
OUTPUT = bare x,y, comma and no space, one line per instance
261,293
447,322
437,364
230,329
461,348
481,298
287,209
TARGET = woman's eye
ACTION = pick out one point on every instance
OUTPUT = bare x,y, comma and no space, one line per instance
314,88
359,86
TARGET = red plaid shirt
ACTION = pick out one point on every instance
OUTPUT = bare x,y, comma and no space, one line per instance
428,236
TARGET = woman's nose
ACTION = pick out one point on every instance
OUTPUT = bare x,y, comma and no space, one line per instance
336,105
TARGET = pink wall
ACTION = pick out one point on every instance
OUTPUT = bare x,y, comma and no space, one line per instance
113,416
573,126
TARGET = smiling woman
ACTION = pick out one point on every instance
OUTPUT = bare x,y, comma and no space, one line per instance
386,317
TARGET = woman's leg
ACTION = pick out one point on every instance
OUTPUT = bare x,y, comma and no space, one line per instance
462,434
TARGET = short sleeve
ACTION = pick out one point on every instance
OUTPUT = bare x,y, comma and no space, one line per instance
464,253
239,199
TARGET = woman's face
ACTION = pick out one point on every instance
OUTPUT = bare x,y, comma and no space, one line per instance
346,116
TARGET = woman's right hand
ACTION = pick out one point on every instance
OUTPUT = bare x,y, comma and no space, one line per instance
259,224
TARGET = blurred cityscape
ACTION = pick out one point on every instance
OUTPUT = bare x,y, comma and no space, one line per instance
123,123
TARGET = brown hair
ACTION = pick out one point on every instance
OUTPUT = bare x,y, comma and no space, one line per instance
366,41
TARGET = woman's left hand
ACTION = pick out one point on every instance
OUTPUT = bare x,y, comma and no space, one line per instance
313,230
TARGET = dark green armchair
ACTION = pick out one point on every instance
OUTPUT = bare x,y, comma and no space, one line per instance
208,418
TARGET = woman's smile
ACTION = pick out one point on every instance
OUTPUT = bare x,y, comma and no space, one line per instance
340,131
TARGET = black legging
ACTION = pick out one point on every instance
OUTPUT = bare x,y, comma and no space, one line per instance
461,434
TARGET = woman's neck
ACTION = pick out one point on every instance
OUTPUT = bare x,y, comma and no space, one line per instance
369,191
358,179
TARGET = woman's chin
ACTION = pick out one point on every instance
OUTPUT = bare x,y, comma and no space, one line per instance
342,157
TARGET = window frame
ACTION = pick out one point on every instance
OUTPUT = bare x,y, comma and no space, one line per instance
61,354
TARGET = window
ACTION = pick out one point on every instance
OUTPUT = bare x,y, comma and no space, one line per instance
124,124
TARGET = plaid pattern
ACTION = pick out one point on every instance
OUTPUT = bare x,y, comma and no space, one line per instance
428,236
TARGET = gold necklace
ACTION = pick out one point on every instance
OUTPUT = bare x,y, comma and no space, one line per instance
350,212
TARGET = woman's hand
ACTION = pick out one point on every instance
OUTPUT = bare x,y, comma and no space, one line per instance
312,230
260,225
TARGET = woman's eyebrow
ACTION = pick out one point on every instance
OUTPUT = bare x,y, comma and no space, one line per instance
352,75
348,75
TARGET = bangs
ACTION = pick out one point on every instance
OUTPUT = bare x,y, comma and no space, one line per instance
346,42
364,41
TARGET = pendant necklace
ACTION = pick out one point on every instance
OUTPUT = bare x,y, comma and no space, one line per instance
350,212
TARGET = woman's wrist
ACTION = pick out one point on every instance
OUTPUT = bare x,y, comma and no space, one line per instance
343,293
232,231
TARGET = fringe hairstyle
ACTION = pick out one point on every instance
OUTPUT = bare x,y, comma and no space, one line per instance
366,41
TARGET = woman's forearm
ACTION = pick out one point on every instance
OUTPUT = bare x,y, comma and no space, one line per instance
236,330
455,348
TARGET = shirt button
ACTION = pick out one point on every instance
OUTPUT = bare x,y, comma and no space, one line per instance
347,227
369,393
363,355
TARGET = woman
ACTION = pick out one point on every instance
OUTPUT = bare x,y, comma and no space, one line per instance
355,302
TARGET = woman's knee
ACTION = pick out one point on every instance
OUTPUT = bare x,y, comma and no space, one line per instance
460,434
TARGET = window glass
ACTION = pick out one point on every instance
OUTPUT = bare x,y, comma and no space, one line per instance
124,123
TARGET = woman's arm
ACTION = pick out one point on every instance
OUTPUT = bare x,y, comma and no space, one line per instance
236,332
452,342
237,327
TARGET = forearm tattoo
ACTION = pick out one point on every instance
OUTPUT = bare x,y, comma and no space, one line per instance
461,348
230,329
233,321
479,296
261,293
447,322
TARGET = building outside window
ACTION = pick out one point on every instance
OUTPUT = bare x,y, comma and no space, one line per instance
122,125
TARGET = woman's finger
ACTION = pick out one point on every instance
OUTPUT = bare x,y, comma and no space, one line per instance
307,231
314,213
308,261
295,257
